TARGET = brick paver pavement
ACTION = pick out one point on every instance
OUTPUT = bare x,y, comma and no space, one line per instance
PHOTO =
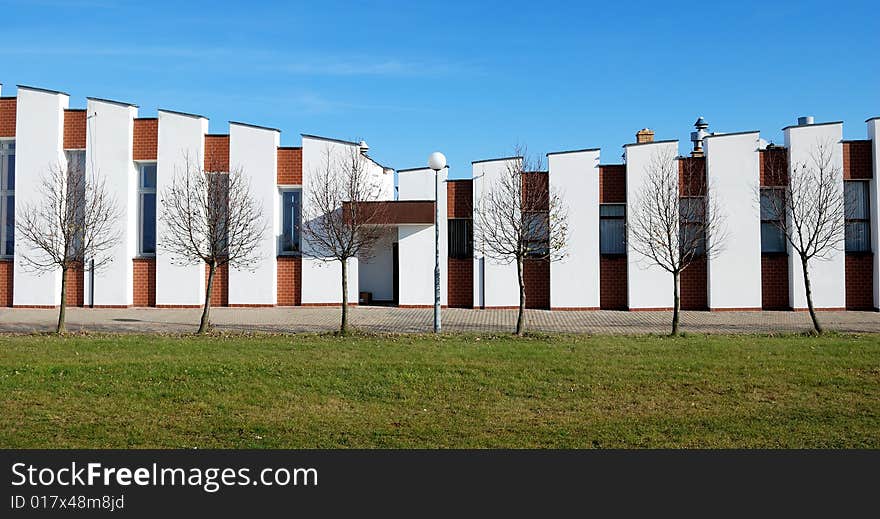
406,320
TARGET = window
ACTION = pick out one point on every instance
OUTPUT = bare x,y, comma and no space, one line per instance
691,219
291,214
536,234
76,171
461,237
147,209
772,207
858,209
612,229
7,197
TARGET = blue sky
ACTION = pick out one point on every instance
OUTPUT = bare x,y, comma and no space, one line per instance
471,79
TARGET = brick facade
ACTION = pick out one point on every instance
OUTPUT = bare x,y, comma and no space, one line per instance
146,139
460,282
773,164
144,282
217,153
613,282
6,273
612,268
693,286
460,198
7,116
536,278
220,290
859,281
612,184
774,282
75,293
74,129
460,271
290,166
857,157
289,281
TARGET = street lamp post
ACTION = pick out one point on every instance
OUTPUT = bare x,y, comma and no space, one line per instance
437,161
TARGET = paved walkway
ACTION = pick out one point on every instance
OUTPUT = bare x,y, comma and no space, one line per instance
379,319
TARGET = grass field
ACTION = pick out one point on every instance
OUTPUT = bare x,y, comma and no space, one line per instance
456,391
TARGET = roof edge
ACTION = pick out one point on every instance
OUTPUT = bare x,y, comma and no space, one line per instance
573,151
44,90
238,123
121,103
652,142
497,160
789,127
185,114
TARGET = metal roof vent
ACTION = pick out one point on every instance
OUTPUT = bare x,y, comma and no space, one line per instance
364,147
697,137
807,119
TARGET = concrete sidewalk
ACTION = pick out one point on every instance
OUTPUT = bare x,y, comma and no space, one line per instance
405,320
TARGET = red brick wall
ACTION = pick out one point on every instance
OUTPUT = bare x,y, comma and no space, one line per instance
459,199
774,282
860,281
144,282
6,272
536,278
75,287
694,295
220,290
7,116
774,167
460,289
537,181
289,281
217,153
74,129
692,176
612,184
290,166
857,160
612,283
146,139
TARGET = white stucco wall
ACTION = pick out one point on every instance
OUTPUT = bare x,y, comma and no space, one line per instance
574,279
826,276
874,135
180,136
419,185
39,139
253,151
495,282
109,155
416,281
376,274
733,177
648,286
320,279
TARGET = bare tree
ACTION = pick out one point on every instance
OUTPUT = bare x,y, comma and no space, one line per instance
520,219
809,210
211,218
675,220
341,220
71,226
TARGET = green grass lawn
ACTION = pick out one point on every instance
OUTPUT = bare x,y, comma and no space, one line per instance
309,391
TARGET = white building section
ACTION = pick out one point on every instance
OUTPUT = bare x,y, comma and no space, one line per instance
495,282
826,275
418,184
109,131
648,286
253,151
39,142
874,193
733,180
181,139
574,279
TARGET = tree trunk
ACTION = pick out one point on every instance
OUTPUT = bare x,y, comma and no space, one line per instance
343,325
62,308
816,326
520,318
206,312
676,302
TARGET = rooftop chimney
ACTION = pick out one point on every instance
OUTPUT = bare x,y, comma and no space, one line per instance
697,137
644,135
808,119
364,147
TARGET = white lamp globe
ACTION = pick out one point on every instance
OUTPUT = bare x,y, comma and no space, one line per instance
437,161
